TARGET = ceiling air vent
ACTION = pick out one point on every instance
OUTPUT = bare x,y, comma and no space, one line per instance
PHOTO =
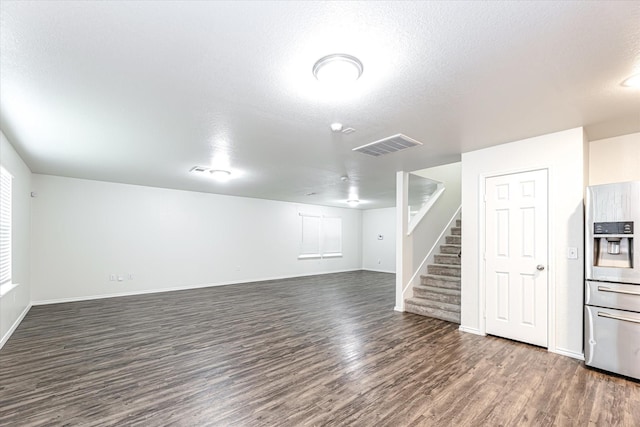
388,145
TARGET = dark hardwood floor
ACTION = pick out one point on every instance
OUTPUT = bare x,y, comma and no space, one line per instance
322,350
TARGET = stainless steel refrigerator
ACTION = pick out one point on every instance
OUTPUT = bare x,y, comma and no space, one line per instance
612,285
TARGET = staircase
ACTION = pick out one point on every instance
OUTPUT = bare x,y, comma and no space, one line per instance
438,294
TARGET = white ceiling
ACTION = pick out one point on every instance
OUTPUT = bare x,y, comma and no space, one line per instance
139,92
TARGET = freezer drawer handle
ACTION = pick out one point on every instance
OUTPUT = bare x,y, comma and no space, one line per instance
611,316
605,289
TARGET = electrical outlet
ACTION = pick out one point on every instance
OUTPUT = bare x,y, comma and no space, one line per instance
112,277
130,276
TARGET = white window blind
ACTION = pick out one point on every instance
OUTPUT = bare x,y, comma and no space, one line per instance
321,237
331,236
5,226
310,247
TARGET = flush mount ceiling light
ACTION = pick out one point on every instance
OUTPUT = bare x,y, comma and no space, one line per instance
338,68
220,174
633,81
353,202
336,127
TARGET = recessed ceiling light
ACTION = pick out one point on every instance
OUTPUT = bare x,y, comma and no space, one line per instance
220,174
338,68
353,202
633,81
336,127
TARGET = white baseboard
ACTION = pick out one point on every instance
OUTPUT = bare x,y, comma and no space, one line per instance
471,330
379,271
178,288
15,325
400,309
561,351
568,353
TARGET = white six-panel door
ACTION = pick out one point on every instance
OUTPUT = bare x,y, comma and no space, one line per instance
516,273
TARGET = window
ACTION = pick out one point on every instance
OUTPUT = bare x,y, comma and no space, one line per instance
310,247
331,237
5,227
321,237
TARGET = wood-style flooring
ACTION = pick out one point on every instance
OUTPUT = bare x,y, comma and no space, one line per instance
314,351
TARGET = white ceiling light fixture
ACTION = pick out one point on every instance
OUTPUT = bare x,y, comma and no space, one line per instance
220,175
336,127
633,81
353,202
338,68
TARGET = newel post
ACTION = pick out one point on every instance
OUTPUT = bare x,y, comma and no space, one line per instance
403,241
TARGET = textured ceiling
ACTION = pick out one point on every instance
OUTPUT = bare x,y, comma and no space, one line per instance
139,92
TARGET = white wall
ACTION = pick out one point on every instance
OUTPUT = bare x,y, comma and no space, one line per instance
83,231
614,159
379,255
563,154
15,304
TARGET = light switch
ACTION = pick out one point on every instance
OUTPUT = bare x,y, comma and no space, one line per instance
572,253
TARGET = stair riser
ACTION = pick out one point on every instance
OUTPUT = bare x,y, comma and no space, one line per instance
435,296
453,240
433,312
444,270
448,260
438,283
458,223
456,231
450,250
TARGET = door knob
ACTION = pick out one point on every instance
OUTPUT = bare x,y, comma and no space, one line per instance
540,267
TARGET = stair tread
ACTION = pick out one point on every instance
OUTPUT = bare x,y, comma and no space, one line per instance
439,277
435,313
454,308
447,259
435,264
444,269
445,291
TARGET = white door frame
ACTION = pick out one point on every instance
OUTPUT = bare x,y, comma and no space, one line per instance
482,285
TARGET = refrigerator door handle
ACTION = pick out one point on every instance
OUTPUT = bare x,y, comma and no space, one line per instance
611,316
616,291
